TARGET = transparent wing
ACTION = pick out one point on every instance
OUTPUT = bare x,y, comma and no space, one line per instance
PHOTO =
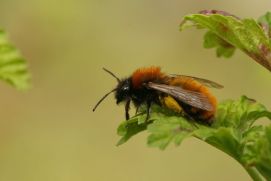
192,98
205,82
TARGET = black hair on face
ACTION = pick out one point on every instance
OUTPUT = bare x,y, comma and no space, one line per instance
123,90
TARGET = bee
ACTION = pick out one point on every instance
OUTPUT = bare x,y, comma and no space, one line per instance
183,94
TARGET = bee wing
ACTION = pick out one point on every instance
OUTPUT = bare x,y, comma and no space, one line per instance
205,82
192,98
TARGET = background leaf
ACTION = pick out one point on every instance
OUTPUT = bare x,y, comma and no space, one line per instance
245,34
13,68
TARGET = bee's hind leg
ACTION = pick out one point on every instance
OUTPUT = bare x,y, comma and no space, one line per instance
192,121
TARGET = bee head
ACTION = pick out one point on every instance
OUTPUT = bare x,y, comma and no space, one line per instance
123,90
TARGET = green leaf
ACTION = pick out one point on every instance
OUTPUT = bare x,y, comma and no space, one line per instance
265,22
130,128
13,68
223,138
245,34
257,150
165,126
240,114
265,19
138,123
223,48
168,129
263,163
232,132
227,140
249,148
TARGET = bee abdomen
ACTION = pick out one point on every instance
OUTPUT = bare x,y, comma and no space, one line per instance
193,85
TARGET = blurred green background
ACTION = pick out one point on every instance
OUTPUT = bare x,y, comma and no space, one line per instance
50,133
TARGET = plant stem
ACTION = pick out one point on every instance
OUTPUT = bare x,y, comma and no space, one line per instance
254,174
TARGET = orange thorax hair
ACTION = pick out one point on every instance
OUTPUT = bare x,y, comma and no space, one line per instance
143,75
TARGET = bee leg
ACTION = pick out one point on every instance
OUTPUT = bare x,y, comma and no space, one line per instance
136,112
193,121
148,110
137,108
127,108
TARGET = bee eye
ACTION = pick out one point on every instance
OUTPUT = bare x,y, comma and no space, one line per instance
125,88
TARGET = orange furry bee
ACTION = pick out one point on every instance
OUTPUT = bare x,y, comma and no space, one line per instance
186,95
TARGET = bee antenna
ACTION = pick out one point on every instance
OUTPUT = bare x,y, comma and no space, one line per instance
101,100
111,73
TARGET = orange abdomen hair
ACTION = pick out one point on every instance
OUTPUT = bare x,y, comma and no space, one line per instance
143,75
193,85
